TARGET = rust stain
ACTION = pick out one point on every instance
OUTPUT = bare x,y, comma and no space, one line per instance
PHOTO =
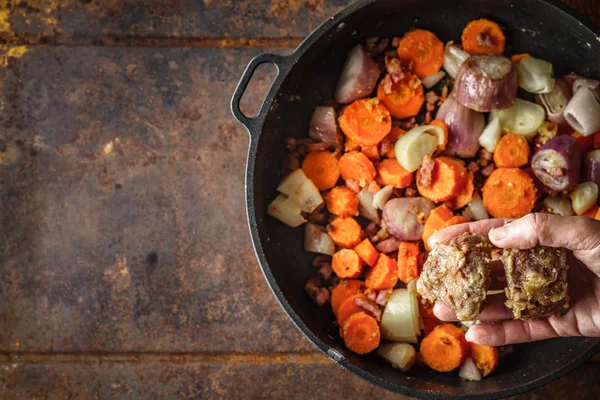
118,274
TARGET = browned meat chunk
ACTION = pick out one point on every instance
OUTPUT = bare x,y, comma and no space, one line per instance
457,273
536,282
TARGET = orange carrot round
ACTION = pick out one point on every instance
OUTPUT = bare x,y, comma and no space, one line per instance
349,307
512,151
366,122
361,333
322,167
456,220
423,51
395,134
357,167
342,201
384,275
342,291
465,196
436,220
406,97
408,261
345,232
509,193
483,36
445,348
392,173
441,124
372,152
448,178
367,252
347,264
485,357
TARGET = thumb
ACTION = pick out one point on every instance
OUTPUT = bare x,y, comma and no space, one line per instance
574,233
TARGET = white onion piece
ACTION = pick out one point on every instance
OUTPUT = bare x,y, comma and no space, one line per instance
535,75
585,83
523,118
583,112
453,59
414,301
382,196
302,190
401,355
491,135
475,210
323,125
397,321
416,144
432,80
286,210
317,240
366,208
559,206
469,370
412,287
584,197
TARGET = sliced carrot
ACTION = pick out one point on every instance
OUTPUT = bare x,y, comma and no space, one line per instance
406,97
357,167
585,142
367,252
436,220
596,140
347,264
509,193
592,212
483,36
408,261
342,291
384,275
512,151
457,220
342,201
345,232
441,124
372,152
351,145
516,58
361,333
445,348
465,196
597,216
349,307
485,357
366,122
421,50
322,167
448,178
395,134
392,173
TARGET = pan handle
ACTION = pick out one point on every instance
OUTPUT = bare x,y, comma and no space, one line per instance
252,124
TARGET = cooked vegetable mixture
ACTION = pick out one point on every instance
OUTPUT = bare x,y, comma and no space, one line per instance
418,136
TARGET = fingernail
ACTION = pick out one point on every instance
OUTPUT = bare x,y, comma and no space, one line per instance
470,336
498,234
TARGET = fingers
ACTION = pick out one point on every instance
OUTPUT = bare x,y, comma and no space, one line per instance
574,233
494,310
509,332
481,227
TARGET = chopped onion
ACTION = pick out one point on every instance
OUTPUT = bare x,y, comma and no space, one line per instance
584,197
475,210
286,210
583,112
454,59
382,196
469,370
557,164
486,83
523,118
491,135
397,322
416,144
302,190
401,355
559,206
464,128
323,126
317,240
366,208
585,83
535,75
432,80
556,101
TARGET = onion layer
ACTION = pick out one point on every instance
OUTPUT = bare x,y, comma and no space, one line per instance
464,128
317,240
397,322
491,135
432,80
323,125
556,101
559,206
523,118
358,78
416,144
401,355
584,197
486,83
365,206
591,171
583,111
535,75
475,210
557,164
454,59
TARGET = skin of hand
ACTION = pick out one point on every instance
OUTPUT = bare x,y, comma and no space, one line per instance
580,235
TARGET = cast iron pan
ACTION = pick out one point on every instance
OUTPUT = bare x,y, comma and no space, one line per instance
549,30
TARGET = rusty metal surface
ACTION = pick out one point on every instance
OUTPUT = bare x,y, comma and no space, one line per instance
126,268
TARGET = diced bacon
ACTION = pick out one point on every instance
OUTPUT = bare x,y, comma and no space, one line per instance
410,192
388,245
425,174
353,185
473,167
372,228
394,69
487,171
325,271
315,290
431,97
369,307
383,297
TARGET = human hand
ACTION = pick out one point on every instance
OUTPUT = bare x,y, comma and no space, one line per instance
581,235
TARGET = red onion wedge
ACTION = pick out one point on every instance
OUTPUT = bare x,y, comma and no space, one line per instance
323,125
405,217
454,59
486,83
556,101
469,370
584,197
358,78
557,164
559,206
523,118
585,83
583,111
591,171
535,75
464,128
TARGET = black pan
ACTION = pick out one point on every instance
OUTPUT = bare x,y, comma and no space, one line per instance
547,29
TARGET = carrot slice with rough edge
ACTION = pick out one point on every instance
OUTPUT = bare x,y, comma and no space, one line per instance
347,264
345,232
372,152
406,97
384,275
392,173
512,151
509,193
342,201
485,357
421,50
408,261
361,333
357,167
395,134
367,252
447,181
351,145
322,168
366,122
483,36
436,220
342,291
445,348
465,196
457,220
